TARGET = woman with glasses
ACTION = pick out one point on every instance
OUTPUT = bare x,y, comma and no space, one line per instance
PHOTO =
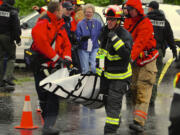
87,32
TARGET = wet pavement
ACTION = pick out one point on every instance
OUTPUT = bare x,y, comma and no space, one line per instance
75,119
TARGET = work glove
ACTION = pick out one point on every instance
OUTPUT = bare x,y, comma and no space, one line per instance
67,63
174,51
19,44
85,38
59,61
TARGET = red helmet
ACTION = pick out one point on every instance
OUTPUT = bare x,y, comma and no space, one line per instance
113,11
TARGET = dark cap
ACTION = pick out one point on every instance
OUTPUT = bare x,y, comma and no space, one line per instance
11,2
154,5
67,5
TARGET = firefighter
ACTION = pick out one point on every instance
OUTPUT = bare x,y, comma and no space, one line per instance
114,66
143,58
164,36
175,105
10,32
53,46
78,13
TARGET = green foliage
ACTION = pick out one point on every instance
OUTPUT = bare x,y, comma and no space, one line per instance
176,2
98,2
25,6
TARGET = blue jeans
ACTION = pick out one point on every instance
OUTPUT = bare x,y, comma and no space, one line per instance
86,58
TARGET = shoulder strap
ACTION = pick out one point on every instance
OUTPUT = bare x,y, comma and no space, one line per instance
137,23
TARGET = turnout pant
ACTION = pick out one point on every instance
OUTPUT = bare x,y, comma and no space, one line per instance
49,102
115,89
143,79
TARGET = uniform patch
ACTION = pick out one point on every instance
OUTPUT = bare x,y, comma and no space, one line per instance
4,14
158,23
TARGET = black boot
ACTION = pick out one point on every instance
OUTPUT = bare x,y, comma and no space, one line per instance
4,87
50,131
10,82
137,127
110,129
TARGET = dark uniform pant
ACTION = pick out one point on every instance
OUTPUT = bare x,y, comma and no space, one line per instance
175,114
159,64
49,102
115,89
7,51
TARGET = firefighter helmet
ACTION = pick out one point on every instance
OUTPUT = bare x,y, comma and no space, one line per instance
77,2
113,11
80,2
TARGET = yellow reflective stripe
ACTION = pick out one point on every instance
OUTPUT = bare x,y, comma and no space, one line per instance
102,52
113,57
114,121
176,79
98,71
119,76
118,44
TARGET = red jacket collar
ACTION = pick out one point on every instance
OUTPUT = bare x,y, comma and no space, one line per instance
54,19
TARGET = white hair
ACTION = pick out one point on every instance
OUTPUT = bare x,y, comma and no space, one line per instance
89,6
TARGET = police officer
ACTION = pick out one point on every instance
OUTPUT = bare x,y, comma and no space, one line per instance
164,36
9,32
54,48
114,66
70,26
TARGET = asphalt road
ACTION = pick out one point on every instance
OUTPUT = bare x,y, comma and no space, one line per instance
77,120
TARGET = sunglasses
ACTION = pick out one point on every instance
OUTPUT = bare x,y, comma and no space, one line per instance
69,9
129,8
110,19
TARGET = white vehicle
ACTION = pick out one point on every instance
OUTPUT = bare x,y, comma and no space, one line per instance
28,22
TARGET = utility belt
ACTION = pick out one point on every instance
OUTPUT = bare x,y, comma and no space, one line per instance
147,56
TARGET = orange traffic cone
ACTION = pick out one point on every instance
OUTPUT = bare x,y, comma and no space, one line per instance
38,109
26,119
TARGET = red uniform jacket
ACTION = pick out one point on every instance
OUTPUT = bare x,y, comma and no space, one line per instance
143,34
1,2
43,34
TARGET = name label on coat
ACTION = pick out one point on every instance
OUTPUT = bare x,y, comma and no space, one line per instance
4,14
158,23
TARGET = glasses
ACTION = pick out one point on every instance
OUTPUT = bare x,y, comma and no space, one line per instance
69,9
89,12
129,8
110,19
